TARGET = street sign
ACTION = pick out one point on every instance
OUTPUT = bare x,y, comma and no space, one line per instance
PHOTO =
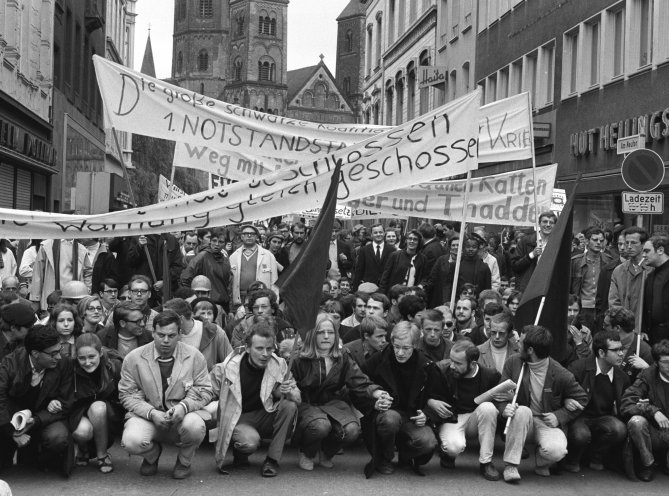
642,170
642,203
630,143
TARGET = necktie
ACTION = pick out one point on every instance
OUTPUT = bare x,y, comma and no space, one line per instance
378,253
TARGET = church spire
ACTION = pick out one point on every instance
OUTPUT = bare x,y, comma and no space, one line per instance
148,67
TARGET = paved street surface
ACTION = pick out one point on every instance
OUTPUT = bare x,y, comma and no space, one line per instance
346,478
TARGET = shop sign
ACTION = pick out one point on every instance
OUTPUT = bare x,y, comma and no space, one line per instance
25,143
559,200
431,75
642,203
541,129
629,144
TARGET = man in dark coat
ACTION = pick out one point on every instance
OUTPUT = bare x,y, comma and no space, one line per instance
401,371
473,269
529,249
432,249
656,299
406,266
372,258
35,395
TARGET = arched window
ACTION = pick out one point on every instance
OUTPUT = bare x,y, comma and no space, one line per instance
308,99
261,24
180,63
349,41
320,92
347,86
206,8
333,102
272,27
266,70
240,25
238,69
203,61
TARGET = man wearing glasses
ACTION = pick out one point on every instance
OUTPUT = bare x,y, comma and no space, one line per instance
127,330
251,262
140,292
529,249
599,425
108,292
400,369
35,387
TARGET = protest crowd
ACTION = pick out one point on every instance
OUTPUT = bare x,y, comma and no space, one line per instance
185,338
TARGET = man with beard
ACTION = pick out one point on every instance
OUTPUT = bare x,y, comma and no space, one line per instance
164,385
127,331
400,370
211,262
538,414
465,321
291,250
451,389
604,282
372,258
598,426
373,332
433,343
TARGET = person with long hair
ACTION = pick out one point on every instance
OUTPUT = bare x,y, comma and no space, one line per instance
65,320
91,313
96,414
513,300
322,371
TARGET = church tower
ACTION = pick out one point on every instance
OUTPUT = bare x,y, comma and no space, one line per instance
200,58
257,55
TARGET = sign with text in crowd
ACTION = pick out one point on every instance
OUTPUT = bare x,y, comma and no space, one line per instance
164,189
504,135
440,143
501,199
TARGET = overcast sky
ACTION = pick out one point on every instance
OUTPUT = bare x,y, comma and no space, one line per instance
312,30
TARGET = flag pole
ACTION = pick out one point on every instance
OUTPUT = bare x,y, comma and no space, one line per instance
454,289
534,159
640,309
171,184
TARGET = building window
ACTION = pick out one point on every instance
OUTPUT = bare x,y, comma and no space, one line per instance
307,99
401,11
389,103
503,83
320,93
547,74
272,27
531,77
240,26
424,100
570,63
379,36
412,10
592,32
206,9
453,84
266,71
491,89
203,61
181,10
347,86
266,25
411,91
399,91
180,63
369,49
644,10
465,77
349,41
238,69
616,41
391,22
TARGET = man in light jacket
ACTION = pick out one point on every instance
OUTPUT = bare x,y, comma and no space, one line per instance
163,386
257,398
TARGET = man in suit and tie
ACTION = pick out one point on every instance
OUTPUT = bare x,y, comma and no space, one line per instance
372,258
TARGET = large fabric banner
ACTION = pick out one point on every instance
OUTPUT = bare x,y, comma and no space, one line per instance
504,135
503,199
438,144
141,104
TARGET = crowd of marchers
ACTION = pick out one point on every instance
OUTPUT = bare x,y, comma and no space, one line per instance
174,338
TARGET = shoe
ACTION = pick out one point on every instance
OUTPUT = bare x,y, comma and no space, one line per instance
304,462
180,471
646,474
597,467
489,472
511,474
446,461
542,471
270,468
385,468
573,468
68,461
324,461
104,464
240,460
525,454
82,458
147,468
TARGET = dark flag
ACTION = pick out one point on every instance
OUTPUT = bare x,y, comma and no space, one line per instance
551,280
301,284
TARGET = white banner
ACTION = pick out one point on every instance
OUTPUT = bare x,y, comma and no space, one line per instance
141,104
164,189
341,212
503,136
505,199
439,144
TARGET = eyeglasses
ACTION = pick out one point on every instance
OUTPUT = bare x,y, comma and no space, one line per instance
110,291
139,292
616,350
124,298
137,322
248,234
53,354
94,309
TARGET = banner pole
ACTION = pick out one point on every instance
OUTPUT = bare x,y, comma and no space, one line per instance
465,201
640,309
534,160
515,396
125,170
174,168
